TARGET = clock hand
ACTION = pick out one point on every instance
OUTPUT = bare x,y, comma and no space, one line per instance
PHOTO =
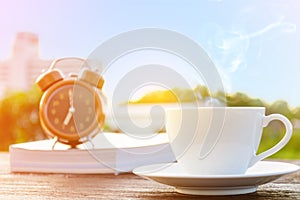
71,109
67,118
71,99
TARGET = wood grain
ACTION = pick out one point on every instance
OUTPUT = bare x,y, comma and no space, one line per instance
124,186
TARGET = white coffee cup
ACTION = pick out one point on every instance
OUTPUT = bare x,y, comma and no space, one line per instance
220,140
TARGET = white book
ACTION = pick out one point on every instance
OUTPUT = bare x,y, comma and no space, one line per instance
111,153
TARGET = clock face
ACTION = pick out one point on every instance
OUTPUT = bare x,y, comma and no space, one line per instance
71,111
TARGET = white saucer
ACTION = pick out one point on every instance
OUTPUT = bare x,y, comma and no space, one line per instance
172,174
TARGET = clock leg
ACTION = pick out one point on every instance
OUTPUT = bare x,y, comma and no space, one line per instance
55,139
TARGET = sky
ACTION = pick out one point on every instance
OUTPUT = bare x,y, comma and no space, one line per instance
255,45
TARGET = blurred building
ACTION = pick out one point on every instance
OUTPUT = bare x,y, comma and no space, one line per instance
24,64
19,71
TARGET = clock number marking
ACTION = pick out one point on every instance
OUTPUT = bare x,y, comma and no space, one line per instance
56,120
61,96
53,111
56,103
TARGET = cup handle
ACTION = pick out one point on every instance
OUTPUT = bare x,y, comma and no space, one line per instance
281,143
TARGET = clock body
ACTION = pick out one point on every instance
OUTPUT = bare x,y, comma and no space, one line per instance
71,110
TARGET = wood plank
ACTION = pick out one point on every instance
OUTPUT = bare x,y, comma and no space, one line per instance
124,186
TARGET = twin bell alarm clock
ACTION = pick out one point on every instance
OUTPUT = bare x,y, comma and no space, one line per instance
71,107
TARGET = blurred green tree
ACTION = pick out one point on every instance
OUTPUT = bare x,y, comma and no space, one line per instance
242,99
19,120
281,107
296,113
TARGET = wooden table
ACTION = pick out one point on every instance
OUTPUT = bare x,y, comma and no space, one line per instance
124,186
